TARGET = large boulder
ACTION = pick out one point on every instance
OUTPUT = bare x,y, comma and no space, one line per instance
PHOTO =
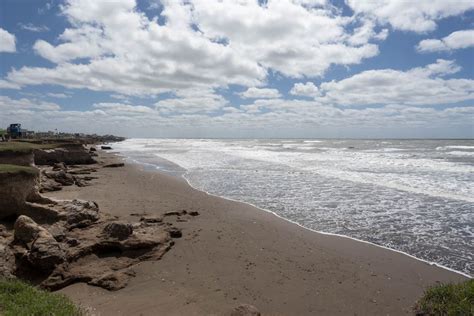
81,213
26,230
60,176
46,253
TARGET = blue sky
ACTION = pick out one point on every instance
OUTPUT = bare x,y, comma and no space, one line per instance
302,68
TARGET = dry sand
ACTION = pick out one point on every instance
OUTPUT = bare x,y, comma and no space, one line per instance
234,253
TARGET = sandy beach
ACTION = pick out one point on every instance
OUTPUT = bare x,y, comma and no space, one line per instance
234,253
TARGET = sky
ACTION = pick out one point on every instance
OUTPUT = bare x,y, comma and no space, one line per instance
239,68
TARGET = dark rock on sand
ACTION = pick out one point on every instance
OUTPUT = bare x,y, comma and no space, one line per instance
26,230
151,219
46,253
245,310
176,213
174,232
105,147
61,177
119,230
115,165
194,213
81,213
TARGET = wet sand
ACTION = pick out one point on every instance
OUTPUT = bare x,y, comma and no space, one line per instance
234,253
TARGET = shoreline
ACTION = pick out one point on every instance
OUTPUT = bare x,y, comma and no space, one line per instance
234,253
329,234
183,177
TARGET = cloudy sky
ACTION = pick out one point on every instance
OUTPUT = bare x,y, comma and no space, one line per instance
239,68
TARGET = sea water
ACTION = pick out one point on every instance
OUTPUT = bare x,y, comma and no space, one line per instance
415,196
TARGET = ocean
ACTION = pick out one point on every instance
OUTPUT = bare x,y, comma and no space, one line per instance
414,196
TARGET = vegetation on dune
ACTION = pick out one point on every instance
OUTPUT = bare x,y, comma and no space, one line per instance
19,298
22,146
448,299
4,168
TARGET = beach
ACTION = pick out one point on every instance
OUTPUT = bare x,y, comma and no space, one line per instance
233,253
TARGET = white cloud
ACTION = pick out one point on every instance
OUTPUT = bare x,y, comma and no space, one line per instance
417,16
8,85
202,44
417,86
34,28
58,95
307,89
192,101
8,105
455,40
260,93
7,42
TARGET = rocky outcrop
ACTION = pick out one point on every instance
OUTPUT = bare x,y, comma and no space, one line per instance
81,244
19,158
16,188
69,154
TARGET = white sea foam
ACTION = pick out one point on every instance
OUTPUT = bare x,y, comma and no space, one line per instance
407,195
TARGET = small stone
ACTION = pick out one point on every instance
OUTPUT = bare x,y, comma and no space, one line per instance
194,213
245,310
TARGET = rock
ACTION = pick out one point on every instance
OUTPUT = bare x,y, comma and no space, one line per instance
118,230
15,189
155,219
194,213
176,213
174,232
26,230
81,213
105,147
49,185
69,154
245,310
46,253
92,149
59,166
113,281
114,165
61,177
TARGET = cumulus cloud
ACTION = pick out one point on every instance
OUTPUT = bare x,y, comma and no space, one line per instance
12,105
416,16
455,40
201,44
260,93
192,101
7,42
307,89
417,86
309,115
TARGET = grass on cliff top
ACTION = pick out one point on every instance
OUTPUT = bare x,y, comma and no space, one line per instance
24,147
19,298
4,168
448,299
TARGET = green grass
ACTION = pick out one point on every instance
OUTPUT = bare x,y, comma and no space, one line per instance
25,147
448,299
19,298
4,168
2,131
